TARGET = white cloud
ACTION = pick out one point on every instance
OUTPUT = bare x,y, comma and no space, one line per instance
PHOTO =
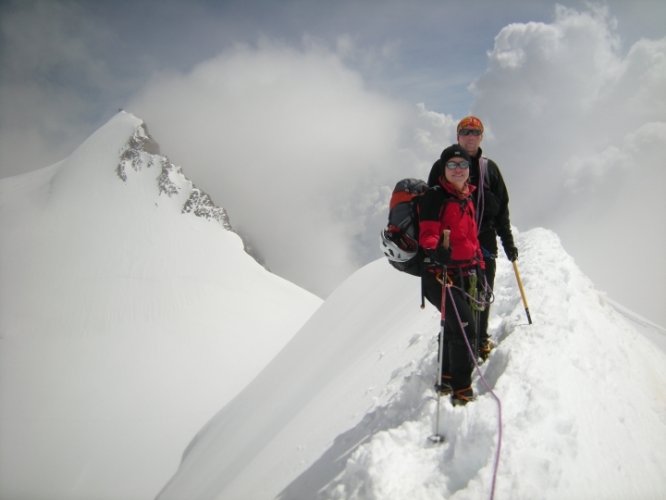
293,145
577,125
52,78
560,100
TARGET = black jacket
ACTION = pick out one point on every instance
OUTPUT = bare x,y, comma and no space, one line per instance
495,219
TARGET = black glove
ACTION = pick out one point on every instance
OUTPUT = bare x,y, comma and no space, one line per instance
439,256
511,252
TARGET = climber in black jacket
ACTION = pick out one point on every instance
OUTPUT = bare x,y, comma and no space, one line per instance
492,210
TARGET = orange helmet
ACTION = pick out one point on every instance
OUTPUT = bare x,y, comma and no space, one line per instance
470,122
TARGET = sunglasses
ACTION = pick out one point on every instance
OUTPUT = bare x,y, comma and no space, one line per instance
469,131
452,165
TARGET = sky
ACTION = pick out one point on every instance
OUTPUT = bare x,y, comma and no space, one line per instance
545,423
299,117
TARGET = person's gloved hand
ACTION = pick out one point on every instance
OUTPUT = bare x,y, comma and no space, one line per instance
511,252
439,256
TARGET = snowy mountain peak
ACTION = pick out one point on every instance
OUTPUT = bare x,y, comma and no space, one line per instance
128,316
122,149
142,151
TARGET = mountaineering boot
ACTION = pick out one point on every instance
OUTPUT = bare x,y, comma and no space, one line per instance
485,348
461,397
444,387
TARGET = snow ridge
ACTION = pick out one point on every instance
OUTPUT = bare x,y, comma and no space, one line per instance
581,394
555,411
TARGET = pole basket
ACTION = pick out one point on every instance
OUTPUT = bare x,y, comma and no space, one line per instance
436,439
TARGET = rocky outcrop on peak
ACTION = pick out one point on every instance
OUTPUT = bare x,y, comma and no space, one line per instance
142,151
201,205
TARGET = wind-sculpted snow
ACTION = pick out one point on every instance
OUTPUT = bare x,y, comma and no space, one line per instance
581,395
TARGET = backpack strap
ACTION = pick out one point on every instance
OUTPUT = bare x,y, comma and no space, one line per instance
484,178
480,197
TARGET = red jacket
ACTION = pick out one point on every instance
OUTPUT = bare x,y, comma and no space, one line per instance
457,215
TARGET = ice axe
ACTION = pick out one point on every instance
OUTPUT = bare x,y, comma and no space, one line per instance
522,291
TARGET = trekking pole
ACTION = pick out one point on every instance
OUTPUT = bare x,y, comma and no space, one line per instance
422,289
437,437
522,291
